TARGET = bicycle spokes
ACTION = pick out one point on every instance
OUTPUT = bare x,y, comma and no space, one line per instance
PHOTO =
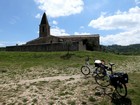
102,81
121,90
85,70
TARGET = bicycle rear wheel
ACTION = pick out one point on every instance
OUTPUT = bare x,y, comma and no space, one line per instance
103,81
121,90
85,70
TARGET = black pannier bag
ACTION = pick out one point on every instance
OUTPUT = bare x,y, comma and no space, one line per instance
117,78
125,78
114,80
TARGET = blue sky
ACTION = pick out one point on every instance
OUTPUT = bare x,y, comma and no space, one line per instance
117,21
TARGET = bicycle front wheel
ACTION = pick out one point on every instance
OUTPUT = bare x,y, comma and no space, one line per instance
85,70
121,90
100,72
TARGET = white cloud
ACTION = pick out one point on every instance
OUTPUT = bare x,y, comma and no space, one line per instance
55,22
57,8
56,31
20,43
38,16
124,38
4,44
83,33
128,22
82,27
120,20
137,2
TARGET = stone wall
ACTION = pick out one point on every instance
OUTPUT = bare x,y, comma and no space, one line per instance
45,47
2,48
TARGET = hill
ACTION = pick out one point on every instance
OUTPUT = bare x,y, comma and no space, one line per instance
127,50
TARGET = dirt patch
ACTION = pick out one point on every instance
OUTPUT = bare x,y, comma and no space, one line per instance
56,90
61,78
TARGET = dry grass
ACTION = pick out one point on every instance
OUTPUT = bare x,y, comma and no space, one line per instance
32,79
58,89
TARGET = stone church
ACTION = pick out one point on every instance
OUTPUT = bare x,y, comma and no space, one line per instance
48,42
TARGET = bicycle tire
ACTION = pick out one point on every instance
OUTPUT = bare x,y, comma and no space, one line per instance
103,81
121,90
85,70
100,72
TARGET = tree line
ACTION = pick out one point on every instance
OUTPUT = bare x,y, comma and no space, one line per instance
126,50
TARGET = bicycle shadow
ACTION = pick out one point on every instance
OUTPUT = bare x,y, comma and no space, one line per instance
115,98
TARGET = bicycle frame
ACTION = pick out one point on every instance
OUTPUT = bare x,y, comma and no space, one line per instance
107,79
87,68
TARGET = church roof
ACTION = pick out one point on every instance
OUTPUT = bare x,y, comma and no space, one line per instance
80,36
44,19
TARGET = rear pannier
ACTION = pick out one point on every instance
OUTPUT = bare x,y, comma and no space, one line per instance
118,78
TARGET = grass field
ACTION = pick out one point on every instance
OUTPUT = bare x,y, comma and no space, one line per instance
53,78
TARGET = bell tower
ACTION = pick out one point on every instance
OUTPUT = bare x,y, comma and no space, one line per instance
44,28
